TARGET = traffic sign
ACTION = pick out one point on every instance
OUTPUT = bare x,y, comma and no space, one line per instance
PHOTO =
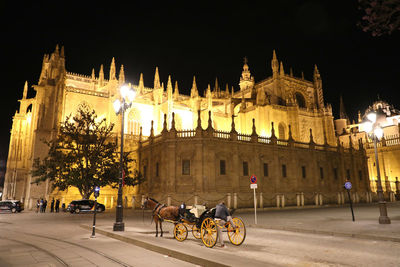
253,186
347,185
253,179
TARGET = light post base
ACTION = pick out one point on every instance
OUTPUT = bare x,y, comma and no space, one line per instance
383,218
119,226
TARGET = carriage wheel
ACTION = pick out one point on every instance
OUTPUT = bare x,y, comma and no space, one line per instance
196,232
180,232
237,236
209,233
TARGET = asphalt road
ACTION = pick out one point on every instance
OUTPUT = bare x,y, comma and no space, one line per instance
58,240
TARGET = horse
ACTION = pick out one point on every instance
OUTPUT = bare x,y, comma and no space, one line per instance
161,212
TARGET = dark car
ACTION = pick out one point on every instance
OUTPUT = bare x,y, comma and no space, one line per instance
11,205
84,205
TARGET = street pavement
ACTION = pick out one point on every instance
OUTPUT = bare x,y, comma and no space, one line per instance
310,236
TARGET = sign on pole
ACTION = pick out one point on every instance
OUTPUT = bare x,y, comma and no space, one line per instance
253,185
348,186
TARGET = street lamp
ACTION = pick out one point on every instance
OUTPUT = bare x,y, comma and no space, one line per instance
375,132
120,105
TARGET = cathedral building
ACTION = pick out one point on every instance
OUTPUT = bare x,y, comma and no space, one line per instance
197,147
388,148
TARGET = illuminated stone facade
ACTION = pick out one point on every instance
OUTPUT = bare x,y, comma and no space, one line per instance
350,134
279,121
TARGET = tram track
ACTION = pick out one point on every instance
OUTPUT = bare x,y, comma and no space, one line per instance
110,258
39,249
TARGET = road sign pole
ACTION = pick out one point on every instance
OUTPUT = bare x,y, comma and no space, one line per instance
351,204
255,206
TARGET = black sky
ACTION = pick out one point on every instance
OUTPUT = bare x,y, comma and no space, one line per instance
206,39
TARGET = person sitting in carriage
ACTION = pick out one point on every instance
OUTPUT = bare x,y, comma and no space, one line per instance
222,213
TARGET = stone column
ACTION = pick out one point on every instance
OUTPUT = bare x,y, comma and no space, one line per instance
228,200
339,198
142,201
112,202
196,199
278,201
261,201
283,200
105,201
169,200
298,201
321,202
302,199
316,199
235,201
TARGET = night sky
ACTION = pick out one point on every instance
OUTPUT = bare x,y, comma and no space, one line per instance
201,38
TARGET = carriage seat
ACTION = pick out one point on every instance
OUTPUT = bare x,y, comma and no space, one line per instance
197,210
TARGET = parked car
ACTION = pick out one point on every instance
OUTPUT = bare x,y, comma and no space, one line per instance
11,205
84,205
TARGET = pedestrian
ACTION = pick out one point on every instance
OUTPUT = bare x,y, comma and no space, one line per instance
57,205
37,205
44,205
63,207
222,213
41,205
52,206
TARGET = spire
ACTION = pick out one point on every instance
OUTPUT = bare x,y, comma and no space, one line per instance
216,88
274,64
176,91
101,76
121,77
281,70
156,79
227,90
233,91
62,54
141,84
318,87
25,92
169,88
93,75
291,72
194,92
316,73
246,80
112,70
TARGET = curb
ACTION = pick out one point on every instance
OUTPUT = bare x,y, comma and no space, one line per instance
330,233
162,250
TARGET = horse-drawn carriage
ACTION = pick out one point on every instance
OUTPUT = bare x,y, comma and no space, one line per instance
201,221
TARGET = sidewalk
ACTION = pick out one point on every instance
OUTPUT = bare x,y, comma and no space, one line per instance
335,220
327,220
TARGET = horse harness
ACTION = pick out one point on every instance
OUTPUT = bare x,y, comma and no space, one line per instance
157,209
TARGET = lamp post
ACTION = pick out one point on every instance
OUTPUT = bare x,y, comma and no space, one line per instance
375,132
120,105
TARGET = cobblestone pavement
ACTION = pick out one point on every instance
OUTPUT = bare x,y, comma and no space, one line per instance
310,236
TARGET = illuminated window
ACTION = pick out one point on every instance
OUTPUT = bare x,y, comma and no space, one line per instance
186,167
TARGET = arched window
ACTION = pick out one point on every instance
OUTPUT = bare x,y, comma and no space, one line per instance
300,100
281,131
